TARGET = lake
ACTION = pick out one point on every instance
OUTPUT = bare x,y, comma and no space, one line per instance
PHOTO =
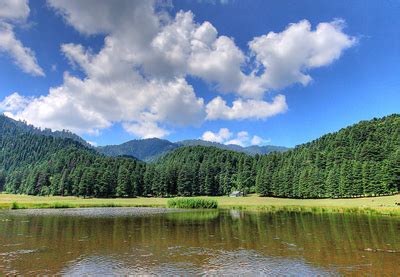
158,241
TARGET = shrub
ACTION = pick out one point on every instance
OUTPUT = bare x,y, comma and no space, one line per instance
192,203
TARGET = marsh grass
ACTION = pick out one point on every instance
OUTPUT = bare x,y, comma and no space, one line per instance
66,205
370,205
192,203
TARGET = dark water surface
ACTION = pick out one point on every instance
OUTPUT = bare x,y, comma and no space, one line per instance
155,241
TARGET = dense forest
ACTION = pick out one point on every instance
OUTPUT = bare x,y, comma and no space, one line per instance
151,149
363,159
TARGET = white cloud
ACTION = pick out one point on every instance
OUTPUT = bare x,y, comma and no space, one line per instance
14,102
114,90
284,58
23,57
256,140
92,143
14,9
245,109
145,129
222,135
214,2
225,136
138,78
14,12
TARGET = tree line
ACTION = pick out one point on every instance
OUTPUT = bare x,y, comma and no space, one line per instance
363,159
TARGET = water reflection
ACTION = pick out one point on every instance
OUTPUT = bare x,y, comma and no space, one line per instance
207,242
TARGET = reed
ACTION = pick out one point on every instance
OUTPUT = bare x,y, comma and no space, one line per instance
192,203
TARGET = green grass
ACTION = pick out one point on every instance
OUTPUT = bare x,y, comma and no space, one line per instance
384,205
192,203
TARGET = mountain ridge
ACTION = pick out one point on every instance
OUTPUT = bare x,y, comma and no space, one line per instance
142,149
159,147
360,160
25,127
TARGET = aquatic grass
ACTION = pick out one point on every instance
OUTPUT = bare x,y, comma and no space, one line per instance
15,206
192,203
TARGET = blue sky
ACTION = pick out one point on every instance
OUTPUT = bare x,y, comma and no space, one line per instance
354,75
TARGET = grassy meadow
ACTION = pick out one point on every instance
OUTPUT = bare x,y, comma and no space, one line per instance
371,205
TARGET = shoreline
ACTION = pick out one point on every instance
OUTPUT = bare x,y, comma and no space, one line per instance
384,205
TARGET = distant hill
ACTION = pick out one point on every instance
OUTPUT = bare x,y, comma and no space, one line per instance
142,149
150,149
250,150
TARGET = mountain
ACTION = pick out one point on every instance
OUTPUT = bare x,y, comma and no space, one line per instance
362,159
250,150
38,163
144,149
359,160
151,149
24,127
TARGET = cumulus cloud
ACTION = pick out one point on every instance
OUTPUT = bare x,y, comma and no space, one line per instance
139,76
284,58
225,136
11,13
245,109
222,135
14,102
17,10
145,129
256,140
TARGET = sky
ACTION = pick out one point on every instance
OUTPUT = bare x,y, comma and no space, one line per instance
235,72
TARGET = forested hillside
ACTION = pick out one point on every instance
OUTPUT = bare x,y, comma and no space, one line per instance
363,159
39,164
149,150
142,149
249,150
26,128
200,170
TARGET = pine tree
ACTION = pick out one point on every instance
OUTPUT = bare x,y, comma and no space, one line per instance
123,182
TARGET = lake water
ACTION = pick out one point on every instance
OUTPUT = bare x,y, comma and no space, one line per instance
124,241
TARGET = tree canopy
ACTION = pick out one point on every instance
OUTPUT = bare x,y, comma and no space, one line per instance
363,159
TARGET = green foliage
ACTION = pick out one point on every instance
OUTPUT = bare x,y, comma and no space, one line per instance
150,150
250,150
15,206
361,160
39,164
192,203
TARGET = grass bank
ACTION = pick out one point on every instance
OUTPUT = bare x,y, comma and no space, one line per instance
384,205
